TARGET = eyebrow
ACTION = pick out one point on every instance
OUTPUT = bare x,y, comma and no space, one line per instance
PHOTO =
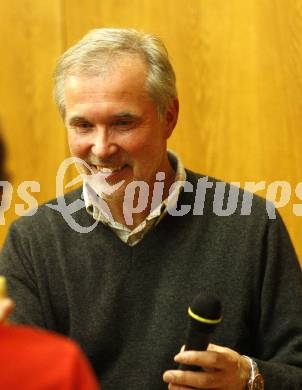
77,119
124,115
120,115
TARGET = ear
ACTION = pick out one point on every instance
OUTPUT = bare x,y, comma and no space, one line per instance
171,116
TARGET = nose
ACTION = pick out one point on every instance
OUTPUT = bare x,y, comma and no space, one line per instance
102,145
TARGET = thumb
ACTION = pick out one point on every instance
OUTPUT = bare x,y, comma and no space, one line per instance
182,348
215,348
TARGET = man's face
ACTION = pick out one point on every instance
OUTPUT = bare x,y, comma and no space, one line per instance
114,126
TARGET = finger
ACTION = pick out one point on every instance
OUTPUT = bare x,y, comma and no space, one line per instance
216,348
6,306
176,387
182,348
205,359
229,358
198,380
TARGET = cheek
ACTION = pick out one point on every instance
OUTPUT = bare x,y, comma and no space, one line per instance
143,143
78,147
145,155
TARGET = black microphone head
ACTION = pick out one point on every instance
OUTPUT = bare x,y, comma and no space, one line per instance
205,312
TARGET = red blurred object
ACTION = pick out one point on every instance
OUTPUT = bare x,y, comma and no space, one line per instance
32,359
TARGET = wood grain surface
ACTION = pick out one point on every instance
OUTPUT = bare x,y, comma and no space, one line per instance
30,41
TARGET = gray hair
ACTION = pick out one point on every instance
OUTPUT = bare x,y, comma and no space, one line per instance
91,54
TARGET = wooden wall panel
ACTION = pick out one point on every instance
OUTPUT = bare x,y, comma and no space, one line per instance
30,40
239,73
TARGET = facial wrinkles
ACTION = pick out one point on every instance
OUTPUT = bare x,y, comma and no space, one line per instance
115,95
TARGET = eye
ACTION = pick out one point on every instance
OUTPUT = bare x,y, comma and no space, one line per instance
123,124
81,127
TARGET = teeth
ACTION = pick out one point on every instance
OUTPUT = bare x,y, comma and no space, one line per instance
108,170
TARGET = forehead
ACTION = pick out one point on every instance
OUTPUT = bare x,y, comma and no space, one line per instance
122,78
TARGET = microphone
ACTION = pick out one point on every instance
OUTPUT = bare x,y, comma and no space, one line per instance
204,315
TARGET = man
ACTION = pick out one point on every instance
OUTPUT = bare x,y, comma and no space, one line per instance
122,289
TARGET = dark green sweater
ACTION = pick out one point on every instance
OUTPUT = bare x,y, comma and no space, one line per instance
126,306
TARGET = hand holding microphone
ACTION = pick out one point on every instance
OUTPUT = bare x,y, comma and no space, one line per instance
203,365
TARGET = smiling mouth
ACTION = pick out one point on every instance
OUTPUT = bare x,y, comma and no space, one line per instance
107,170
